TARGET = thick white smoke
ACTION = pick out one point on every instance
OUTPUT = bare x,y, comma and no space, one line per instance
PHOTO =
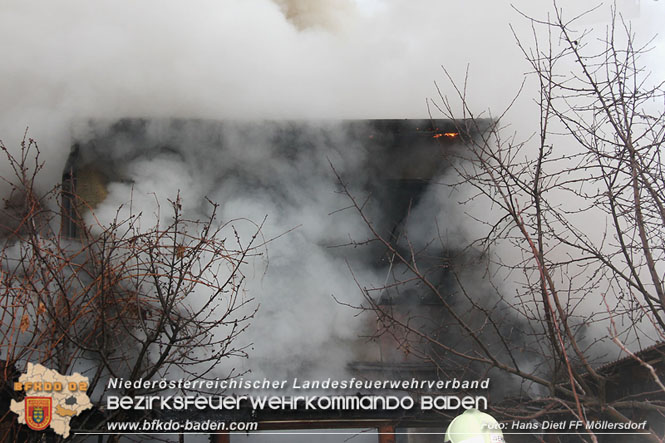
235,59
239,59
300,329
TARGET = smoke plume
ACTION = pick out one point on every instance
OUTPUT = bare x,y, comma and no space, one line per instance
77,60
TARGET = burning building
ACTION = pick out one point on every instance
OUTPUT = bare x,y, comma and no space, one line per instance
309,180
293,173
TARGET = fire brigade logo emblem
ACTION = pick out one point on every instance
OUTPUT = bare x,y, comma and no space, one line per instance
38,412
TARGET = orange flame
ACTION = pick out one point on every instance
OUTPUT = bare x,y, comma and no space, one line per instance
446,134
